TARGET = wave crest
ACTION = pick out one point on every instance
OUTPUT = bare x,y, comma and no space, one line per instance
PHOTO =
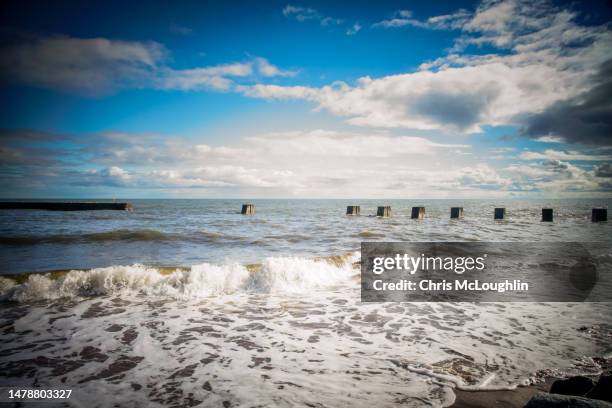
293,275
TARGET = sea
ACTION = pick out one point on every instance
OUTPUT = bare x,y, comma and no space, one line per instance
191,303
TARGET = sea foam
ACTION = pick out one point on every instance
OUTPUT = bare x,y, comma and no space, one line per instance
273,275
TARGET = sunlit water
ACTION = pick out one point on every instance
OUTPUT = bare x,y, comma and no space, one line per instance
289,331
188,232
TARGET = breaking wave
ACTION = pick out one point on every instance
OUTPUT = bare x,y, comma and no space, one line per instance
273,275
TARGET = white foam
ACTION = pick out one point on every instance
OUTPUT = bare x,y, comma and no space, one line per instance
327,348
6,284
456,382
276,275
297,274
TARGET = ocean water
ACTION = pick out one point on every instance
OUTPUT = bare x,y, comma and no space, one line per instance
188,302
189,232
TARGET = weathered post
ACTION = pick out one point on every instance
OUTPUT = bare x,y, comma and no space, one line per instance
418,213
353,210
599,214
384,211
547,214
500,214
248,209
456,212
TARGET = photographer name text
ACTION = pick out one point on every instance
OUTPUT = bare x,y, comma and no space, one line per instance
449,286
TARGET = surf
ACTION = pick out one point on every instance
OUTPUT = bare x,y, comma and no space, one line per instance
272,275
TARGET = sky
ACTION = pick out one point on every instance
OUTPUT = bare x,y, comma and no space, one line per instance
303,99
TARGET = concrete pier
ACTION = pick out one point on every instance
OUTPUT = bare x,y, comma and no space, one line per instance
456,212
499,214
248,209
353,210
384,211
547,214
63,206
418,213
599,214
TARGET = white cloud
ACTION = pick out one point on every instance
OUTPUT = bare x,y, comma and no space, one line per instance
461,99
482,176
451,21
534,171
279,92
118,172
354,29
302,14
326,21
550,139
110,176
215,77
547,57
267,69
558,177
315,163
550,154
403,18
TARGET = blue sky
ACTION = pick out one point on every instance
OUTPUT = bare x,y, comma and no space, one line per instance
306,99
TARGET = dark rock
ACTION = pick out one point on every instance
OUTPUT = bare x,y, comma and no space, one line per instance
578,385
603,389
543,400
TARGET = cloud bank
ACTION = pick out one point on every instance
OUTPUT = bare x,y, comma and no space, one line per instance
547,64
550,76
315,163
99,66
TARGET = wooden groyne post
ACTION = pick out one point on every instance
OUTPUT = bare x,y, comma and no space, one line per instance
599,214
248,209
418,213
384,211
547,215
353,210
499,214
63,206
456,212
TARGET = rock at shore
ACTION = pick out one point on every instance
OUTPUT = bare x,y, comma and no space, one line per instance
543,400
578,385
603,389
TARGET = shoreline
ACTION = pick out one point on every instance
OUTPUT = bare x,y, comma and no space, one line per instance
514,398
507,398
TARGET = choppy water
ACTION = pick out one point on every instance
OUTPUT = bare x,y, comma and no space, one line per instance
288,331
188,232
